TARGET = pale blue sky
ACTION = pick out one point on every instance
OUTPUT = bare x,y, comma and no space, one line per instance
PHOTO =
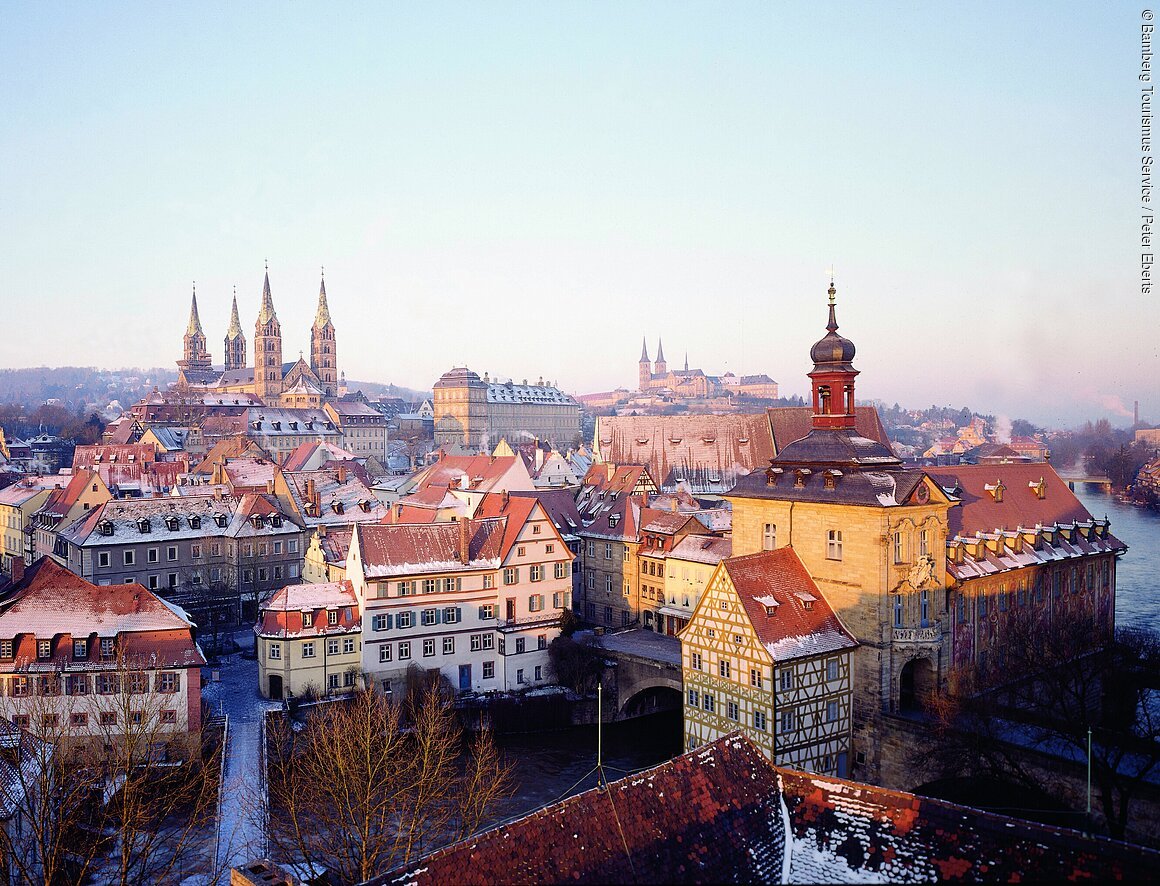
527,188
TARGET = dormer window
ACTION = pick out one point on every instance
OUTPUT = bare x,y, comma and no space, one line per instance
195,522
996,490
132,457
43,649
1040,489
219,520
276,520
105,527
364,505
800,475
80,650
257,521
337,505
143,525
171,523
293,425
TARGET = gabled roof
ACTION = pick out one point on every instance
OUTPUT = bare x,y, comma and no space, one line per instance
483,473
560,507
415,548
282,615
318,450
702,549
335,543
111,453
60,501
802,623
724,814
1021,506
790,423
229,447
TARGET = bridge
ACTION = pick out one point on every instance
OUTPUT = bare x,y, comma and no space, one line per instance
648,672
1072,478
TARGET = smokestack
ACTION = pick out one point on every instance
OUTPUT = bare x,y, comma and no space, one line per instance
464,541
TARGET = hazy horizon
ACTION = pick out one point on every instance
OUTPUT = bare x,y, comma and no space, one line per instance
527,190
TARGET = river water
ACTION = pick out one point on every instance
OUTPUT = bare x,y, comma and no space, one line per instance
1138,572
549,766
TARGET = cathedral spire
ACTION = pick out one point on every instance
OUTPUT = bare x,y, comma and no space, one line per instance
267,312
644,351
235,328
660,351
194,327
686,361
322,316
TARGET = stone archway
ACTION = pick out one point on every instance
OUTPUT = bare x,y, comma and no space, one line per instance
916,685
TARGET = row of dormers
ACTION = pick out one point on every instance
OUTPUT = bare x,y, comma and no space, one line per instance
292,425
995,543
801,476
172,522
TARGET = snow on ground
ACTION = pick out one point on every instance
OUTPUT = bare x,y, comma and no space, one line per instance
240,835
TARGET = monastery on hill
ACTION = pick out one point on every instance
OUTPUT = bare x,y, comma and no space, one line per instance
691,384
296,384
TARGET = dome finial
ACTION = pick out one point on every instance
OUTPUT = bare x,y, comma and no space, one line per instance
832,325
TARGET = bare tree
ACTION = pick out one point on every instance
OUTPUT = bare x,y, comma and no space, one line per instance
115,790
370,783
1055,687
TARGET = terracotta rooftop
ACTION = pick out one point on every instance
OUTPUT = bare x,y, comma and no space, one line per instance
409,548
724,814
790,615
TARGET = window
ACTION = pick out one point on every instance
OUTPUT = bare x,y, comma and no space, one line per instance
378,623
489,670
195,551
274,651
108,718
173,579
787,721
332,681
608,584
535,572
560,570
709,703
488,641
627,590
694,699
428,586
519,675
521,644
80,719
406,588
405,619
47,685
982,604
6,649
137,683
487,610
898,610
488,581
448,645
428,648
787,679
169,717
151,555
696,661
451,615
348,678
332,616
831,711
171,553
108,647
625,553
590,581
476,642
404,651
924,608
78,684
130,557
608,550
591,549
385,652
834,544
832,669
277,548
608,615
521,551
50,721
44,649
923,543
332,647
103,558
536,603
1002,598
732,710
430,616
511,575
548,549
623,617
80,649
755,677
899,547
292,546
308,650
19,687
769,537
723,668
539,672
306,620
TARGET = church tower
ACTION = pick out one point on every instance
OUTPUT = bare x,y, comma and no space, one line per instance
833,377
661,367
323,354
644,373
235,340
195,354
268,349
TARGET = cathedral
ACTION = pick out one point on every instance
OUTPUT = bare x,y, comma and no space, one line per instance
296,384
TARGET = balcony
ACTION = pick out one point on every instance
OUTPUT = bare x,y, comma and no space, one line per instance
903,636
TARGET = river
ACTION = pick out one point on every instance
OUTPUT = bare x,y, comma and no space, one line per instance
1137,591
549,766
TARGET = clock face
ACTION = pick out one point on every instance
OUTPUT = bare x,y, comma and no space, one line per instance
922,494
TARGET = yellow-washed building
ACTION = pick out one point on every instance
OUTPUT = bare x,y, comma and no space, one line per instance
765,653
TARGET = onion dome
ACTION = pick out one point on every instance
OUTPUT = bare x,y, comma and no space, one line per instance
832,351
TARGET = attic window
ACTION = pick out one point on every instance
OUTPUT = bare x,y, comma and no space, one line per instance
675,439
364,505
1040,489
830,479
219,519
113,457
105,527
772,476
743,440
171,523
143,524
996,490
195,522
337,505
770,610
799,477
97,459
257,520
276,520
293,425
641,440
613,519
277,425
132,457
310,426
709,438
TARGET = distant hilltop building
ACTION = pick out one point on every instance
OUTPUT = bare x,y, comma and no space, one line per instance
691,384
476,412
296,384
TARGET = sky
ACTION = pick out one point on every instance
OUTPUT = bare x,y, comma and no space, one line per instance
528,189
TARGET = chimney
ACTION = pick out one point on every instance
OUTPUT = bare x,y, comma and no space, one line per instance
309,489
673,503
342,473
504,500
464,541
609,470
270,486
322,530
17,570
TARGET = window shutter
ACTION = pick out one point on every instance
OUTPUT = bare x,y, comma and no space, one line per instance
390,619
438,616
481,615
458,614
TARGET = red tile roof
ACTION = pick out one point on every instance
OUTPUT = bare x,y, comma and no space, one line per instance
802,623
724,814
411,548
1021,506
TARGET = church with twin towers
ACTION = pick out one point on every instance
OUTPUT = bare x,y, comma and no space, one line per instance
291,384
